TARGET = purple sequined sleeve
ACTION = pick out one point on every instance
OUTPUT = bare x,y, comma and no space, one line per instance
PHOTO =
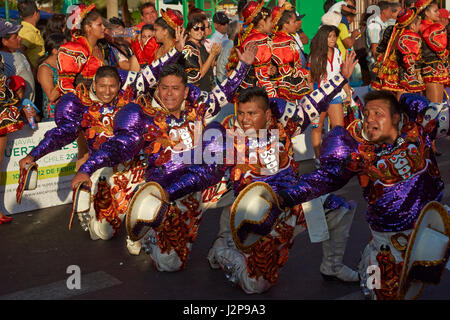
198,177
129,126
222,94
333,173
413,104
318,101
142,81
68,115
434,117
309,108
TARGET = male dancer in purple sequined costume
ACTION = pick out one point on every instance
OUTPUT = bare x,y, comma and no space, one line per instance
256,270
91,111
390,151
168,126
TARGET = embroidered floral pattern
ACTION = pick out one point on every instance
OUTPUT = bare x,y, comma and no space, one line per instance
179,229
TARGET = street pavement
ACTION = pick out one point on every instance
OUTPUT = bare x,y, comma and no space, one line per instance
39,257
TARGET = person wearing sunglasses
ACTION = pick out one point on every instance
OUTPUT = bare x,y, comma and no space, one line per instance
198,63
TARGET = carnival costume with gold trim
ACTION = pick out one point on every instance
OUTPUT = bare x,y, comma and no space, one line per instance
82,112
146,53
9,114
435,60
397,68
398,180
165,139
75,62
258,74
256,268
292,83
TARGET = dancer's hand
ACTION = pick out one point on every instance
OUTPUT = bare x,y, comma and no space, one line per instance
349,64
81,177
180,38
249,54
28,160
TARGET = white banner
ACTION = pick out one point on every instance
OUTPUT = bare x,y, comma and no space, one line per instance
55,172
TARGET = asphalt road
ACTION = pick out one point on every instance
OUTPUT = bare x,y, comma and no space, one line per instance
39,256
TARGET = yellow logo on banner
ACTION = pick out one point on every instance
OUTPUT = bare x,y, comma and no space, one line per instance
48,172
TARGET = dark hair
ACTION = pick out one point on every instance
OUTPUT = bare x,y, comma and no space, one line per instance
240,7
55,24
346,13
53,41
423,12
163,24
6,37
383,5
174,69
319,51
147,5
255,93
116,21
193,11
285,17
26,8
194,20
328,4
41,25
409,3
148,26
107,72
87,21
386,36
389,97
262,15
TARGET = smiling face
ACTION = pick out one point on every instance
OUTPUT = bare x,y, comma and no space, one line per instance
197,32
379,125
106,89
252,116
172,92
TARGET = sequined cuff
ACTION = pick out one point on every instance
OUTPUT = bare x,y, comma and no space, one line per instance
231,84
288,202
148,76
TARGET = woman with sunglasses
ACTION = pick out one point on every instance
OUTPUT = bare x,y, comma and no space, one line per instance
198,63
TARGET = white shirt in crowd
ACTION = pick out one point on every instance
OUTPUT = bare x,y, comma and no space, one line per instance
374,32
